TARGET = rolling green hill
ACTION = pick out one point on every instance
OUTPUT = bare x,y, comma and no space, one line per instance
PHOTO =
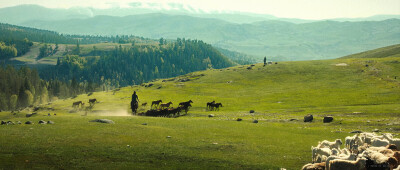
390,51
358,97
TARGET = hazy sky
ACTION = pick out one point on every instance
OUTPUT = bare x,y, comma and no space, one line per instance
306,9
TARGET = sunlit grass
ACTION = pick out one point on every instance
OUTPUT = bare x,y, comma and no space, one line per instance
359,98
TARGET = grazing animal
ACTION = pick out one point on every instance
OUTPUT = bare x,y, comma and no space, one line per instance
216,106
391,140
174,111
76,104
185,107
92,101
330,145
379,160
315,166
392,147
350,141
155,103
367,137
144,104
339,164
209,104
379,142
165,105
185,103
350,157
321,158
320,151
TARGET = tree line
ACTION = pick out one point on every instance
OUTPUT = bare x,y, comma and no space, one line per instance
20,88
138,63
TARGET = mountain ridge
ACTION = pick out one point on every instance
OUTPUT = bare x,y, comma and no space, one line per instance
280,40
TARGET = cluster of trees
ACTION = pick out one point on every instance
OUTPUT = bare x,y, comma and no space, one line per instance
20,39
46,50
138,64
14,32
6,51
20,88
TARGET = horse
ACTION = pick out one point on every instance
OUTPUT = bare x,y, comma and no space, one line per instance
92,101
157,102
209,104
76,104
134,106
216,106
185,107
174,111
185,103
165,105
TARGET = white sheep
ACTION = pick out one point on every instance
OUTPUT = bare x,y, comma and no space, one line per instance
367,137
353,140
339,164
395,141
376,156
335,151
362,148
321,158
377,142
331,145
344,151
348,140
320,151
314,166
350,157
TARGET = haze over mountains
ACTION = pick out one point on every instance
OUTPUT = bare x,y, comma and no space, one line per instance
253,34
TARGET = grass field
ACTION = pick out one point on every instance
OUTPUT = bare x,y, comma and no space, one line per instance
359,97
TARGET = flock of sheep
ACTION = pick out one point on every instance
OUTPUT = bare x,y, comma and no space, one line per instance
361,151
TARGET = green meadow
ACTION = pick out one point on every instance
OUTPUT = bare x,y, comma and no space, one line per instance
360,93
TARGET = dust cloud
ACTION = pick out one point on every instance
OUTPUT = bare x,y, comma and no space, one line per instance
111,113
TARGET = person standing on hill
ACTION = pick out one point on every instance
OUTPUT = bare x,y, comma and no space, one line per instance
265,61
134,102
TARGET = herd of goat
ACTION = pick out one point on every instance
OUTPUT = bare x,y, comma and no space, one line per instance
362,151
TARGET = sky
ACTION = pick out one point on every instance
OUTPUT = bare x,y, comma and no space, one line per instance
304,9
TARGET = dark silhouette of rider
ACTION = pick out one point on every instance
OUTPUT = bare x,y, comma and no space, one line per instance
134,101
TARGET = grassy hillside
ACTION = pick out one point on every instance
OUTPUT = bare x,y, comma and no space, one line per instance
390,51
358,97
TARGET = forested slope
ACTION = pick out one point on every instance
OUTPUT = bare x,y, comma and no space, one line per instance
138,63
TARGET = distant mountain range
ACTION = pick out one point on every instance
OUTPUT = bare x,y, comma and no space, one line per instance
253,34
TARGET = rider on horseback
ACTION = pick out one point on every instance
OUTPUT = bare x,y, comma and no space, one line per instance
134,102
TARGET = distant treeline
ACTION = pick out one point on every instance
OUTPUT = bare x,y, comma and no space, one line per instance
137,64
240,58
20,88
16,38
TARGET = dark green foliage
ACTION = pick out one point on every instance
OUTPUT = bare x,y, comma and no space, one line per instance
7,52
23,87
21,37
46,50
122,66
